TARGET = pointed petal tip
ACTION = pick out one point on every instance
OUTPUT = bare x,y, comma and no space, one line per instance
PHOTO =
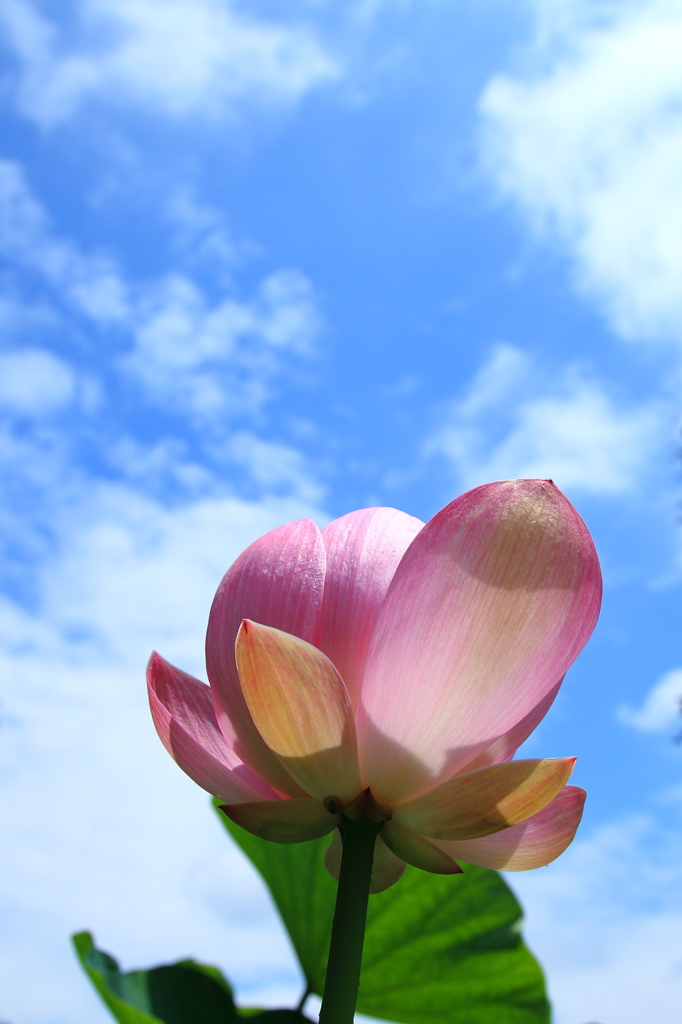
183,714
155,663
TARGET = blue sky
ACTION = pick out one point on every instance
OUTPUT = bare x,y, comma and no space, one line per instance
263,262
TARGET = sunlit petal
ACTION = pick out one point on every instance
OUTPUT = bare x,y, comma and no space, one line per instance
504,748
532,844
278,581
363,552
182,711
301,709
491,603
486,800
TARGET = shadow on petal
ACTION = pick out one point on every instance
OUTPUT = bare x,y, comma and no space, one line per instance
283,821
386,869
418,851
397,775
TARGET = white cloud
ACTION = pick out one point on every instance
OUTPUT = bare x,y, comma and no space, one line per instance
605,921
661,707
514,421
34,382
106,832
587,138
217,360
177,57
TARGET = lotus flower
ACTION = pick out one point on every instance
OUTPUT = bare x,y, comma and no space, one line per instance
388,670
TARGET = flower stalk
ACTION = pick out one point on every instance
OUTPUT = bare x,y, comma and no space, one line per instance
350,917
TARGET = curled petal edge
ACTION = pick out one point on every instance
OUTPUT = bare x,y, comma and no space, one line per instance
182,712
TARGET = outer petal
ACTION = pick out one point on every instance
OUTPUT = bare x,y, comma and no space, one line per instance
418,851
535,842
278,581
363,552
182,710
301,709
486,800
284,821
504,748
491,603
386,869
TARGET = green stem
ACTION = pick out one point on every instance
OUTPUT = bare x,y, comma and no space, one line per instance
350,916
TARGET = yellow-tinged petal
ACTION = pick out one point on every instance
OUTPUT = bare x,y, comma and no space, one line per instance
301,708
386,869
283,821
531,844
418,851
486,800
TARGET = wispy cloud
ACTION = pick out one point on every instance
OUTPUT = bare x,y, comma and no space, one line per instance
516,420
586,137
107,557
213,358
90,282
173,57
660,709
34,382
217,360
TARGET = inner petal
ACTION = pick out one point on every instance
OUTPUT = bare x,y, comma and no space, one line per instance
301,708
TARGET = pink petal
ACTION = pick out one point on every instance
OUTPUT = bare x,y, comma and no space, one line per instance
532,844
386,869
486,800
278,581
363,552
491,603
301,708
182,710
283,821
418,851
504,748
